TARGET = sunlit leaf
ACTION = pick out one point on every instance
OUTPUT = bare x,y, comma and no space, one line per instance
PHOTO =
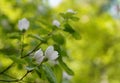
59,38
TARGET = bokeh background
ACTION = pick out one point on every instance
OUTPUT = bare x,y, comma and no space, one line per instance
94,55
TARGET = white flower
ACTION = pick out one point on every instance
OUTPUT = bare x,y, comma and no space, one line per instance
56,23
71,11
50,53
23,24
38,56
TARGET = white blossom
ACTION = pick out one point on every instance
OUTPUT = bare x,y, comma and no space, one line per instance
50,53
23,24
56,23
38,56
71,11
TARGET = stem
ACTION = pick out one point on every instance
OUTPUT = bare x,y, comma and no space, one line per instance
22,42
32,50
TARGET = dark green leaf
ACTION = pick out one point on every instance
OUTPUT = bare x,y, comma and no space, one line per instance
40,72
59,38
74,18
63,15
49,74
76,35
67,15
58,73
14,36
17,60
65,67
68,28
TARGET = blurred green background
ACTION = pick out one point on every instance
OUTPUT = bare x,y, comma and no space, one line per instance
94,55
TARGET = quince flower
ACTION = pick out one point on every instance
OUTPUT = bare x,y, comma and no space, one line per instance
23,24
71,11
56,23
50,53
38,56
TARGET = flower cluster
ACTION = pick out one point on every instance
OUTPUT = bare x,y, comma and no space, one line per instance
49,54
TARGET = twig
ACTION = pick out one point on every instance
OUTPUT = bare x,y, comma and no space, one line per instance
47,37
22,43
32,50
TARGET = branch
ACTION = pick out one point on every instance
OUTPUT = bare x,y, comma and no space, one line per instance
47,37
32,50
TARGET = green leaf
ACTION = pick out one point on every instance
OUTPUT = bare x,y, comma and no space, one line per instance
14,35
61,49
67,15
36,37
17,60
65,67
40,72
63,15
76,35
68,28
74,18
49,74
59,38
58,73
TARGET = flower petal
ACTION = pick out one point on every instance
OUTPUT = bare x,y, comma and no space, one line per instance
40,59
53,56
49,51
38,54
